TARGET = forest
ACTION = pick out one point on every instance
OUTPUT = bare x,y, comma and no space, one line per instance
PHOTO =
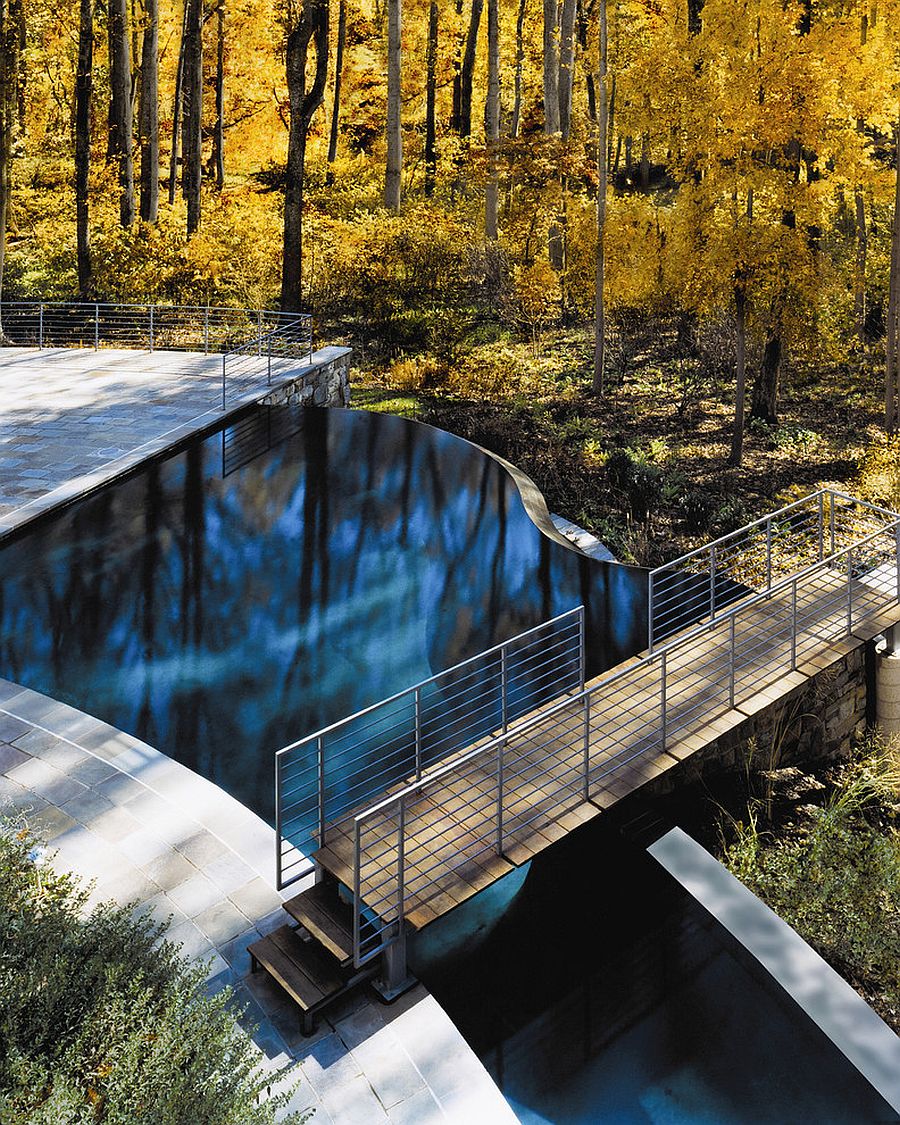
656,236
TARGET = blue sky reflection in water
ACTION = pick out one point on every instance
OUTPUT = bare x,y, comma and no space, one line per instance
248,590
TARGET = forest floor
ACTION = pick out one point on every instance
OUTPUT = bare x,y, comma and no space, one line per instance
644,466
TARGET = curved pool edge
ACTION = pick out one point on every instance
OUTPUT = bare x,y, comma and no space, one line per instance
179,821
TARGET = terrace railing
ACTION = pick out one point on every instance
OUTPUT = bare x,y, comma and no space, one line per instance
324,778
697,588
249,339
528,779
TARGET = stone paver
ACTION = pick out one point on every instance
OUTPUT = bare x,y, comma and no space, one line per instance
149,832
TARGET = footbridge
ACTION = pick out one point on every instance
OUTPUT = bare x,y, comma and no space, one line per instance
418,803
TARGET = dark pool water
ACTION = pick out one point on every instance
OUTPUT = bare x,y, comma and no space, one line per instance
603,993
274,577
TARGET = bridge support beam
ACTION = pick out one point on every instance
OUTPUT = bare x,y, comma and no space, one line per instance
887,685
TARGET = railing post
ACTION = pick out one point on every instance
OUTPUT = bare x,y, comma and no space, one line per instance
712,583
831,522
151,328
850,590
794,625
662,701
320,768
357,896
732,661
582,650
500,746
768,554
401,860
418,703
587,746
821,526
206,330
278,825
269,349
41,326
504,698
96,326
651,583
259,330
897,556
223,379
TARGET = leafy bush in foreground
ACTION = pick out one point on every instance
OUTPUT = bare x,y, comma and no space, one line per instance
835,876
102,1022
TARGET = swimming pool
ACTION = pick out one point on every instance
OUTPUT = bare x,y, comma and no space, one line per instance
282,572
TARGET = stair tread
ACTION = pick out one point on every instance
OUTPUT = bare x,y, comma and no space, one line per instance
302,968
321,911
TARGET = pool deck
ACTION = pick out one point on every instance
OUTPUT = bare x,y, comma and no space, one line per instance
149,831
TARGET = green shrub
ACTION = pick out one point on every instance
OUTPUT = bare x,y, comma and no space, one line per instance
101,1021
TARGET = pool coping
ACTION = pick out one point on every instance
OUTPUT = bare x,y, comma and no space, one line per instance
822,994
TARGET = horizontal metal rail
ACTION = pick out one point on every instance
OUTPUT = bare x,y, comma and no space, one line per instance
278,351
144,327
326,776
696,589
492,797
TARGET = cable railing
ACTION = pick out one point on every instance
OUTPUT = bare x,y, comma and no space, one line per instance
697,588
446,829
144,327
325,777
255,363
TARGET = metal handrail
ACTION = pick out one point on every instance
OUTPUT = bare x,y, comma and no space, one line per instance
702,682
250,362
326,776
667,606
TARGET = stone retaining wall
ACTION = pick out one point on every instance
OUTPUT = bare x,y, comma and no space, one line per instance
326,382
823,718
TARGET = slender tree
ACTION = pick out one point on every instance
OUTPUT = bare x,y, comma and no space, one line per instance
740,382
176,108
492,120
430,99
10,56
148,117
192,112
83,91
467,70
516,118
338,79
121,141
218,153
394,166
892,357
599,379
311,27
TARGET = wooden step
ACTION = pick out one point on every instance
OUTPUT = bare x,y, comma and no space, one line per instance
303,969
329,919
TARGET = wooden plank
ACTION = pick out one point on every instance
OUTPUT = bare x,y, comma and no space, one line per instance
326,917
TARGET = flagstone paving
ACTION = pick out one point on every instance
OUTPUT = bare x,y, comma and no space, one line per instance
149,832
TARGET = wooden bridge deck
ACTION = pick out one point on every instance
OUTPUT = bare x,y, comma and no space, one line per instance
454,844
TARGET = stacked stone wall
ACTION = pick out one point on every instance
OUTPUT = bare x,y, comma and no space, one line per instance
326,382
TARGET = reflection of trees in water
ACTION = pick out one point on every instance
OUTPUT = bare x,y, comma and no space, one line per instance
209,616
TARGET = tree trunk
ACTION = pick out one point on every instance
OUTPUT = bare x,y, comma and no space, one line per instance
892,366
457,70
192,112
176,109
492,121
120,111
430,96
862,247
467,71
566,64
695,16
9,57
599,380
520,64
394,167
551,68
84,79
764,401
338,75
219,131
312,26
148,118
740,349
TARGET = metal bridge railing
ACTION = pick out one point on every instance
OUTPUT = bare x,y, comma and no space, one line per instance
698,588
525,778
322,779
252,364
146,327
